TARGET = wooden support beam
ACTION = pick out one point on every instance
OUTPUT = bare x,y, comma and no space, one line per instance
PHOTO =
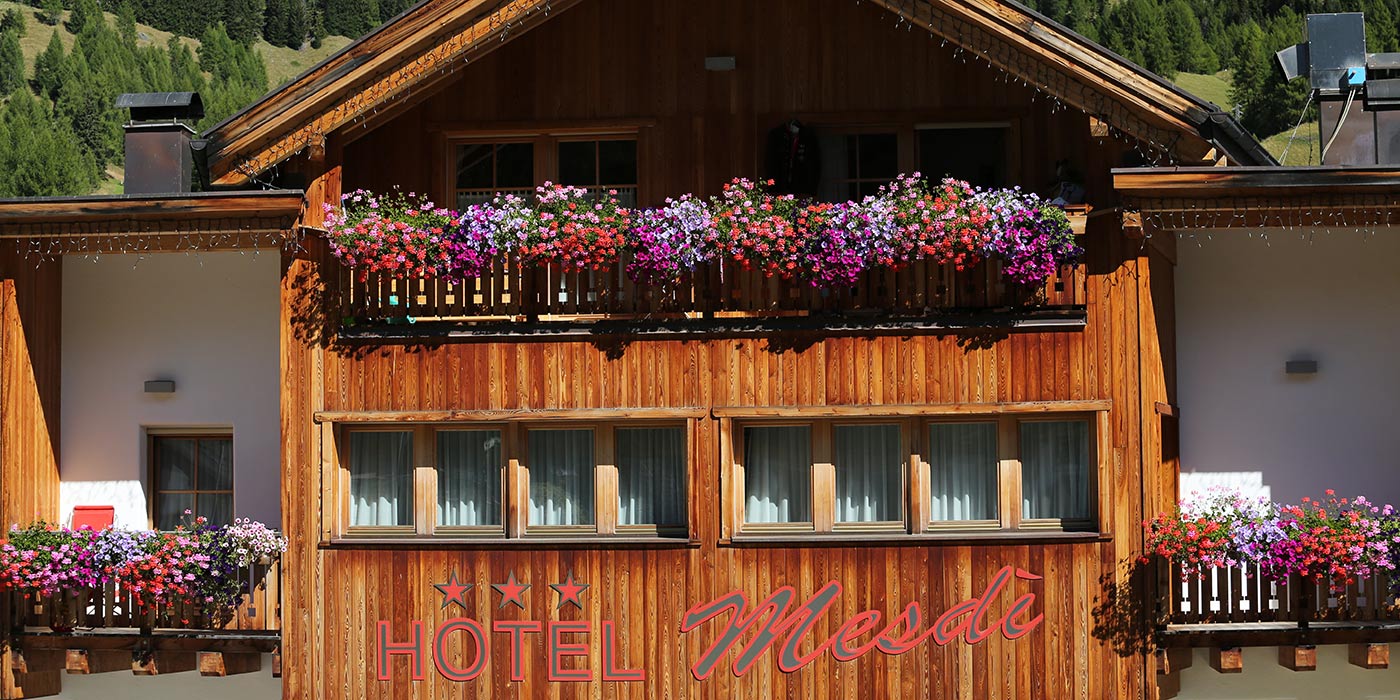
38,660
1168,686
277,664
1133,226
1299,658
1227,660
1369,655
84,661
213,663
160,663
1173,660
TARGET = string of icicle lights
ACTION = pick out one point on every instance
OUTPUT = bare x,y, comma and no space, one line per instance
967,41
40,242
1194,219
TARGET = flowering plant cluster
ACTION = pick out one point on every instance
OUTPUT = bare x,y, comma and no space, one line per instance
1334,540
198,565
822,244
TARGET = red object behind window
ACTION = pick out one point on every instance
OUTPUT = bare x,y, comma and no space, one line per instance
95,517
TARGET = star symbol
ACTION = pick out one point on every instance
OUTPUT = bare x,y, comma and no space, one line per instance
453,591
569,591
511,591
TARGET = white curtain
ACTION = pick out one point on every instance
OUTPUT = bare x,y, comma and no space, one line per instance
561,477
381,478
1055,470
778,474
868,473
651,476
469,477
962,460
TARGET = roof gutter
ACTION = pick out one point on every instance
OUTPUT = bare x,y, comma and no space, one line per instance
1225,133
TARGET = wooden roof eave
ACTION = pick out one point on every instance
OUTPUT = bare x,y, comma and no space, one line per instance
1280,197
96,209
422,46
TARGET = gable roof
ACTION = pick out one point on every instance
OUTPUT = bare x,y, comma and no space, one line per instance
421,47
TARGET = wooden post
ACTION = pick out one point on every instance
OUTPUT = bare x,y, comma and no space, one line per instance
1299,658
424,480
1173,660
1373,656
85,661
605,496
162,662
1227,660
213,663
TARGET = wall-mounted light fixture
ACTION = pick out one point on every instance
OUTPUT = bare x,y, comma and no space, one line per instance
160,386
720,64
1300,367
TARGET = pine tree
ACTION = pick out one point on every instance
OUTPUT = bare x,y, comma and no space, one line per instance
84,11
244,19
1184,32
51,12
297,24
42,159
13,20
275,22
316,23
11,62
1136,29
352,18
126,22
51,68
389,9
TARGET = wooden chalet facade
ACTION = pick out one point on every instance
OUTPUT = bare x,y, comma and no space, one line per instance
733,367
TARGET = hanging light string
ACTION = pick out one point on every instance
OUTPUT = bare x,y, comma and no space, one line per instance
46,241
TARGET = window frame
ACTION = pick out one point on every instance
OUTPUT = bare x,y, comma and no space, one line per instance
154,435
514,482
916,476
546,151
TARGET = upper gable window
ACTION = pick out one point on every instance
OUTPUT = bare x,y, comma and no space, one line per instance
977,152
519,163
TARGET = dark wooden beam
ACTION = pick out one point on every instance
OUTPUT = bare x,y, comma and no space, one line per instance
161,663
1168,686
1174,660
213,663
1298,658
1227,660
38,660
1372,656
83,661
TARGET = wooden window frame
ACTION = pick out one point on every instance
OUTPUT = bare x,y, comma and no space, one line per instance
916,476
546,151
515,481
153,466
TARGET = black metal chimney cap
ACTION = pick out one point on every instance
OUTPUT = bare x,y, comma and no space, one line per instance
156,106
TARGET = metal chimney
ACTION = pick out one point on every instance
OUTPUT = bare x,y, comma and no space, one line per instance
158,157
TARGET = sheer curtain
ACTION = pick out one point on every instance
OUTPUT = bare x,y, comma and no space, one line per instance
381,478
1055,470
868,473
469,477
778,474
651,476
962,460
561,477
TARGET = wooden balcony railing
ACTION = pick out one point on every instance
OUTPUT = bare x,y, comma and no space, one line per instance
545,293
110,609
1240,595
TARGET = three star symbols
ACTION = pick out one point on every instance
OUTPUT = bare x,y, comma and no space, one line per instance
512,591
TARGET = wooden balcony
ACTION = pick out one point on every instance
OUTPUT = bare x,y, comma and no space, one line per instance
921,293
1237,607
102,630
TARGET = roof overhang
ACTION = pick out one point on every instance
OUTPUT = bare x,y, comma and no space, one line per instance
426,45
128,223
1185,198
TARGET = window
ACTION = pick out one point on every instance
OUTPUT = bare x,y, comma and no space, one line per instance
976,153
994,473
468,480
194,473
518,164
858,164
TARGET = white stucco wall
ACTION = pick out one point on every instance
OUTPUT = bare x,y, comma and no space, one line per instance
1264,679
207,321
1245,306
